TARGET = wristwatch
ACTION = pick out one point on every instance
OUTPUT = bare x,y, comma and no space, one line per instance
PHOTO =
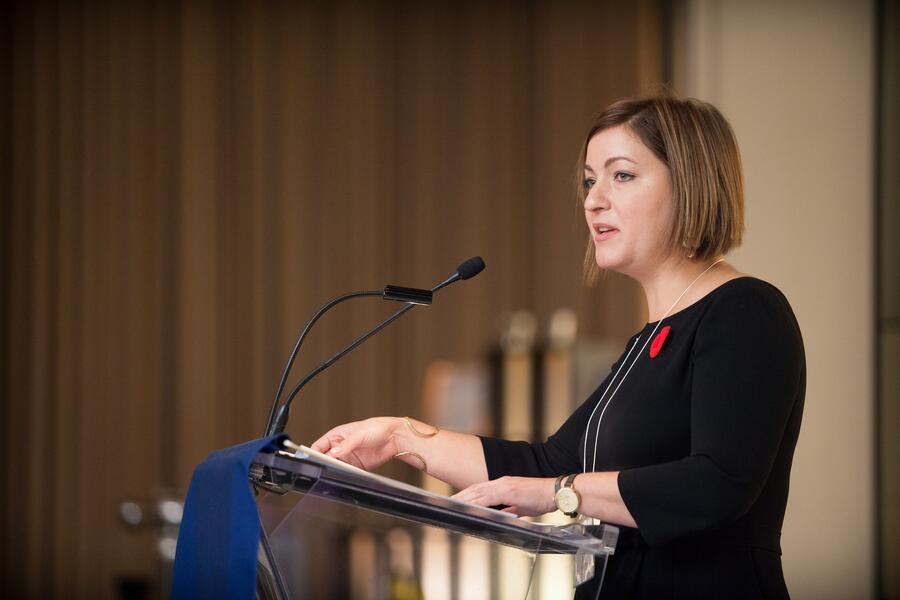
566,498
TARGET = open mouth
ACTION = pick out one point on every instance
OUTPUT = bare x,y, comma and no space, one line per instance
602,232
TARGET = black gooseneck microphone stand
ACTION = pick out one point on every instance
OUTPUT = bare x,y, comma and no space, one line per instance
278,417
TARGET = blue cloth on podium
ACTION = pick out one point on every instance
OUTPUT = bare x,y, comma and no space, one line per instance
219,533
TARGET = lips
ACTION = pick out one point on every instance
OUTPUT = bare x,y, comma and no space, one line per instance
602,231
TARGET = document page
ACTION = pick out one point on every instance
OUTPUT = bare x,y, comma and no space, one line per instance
308,453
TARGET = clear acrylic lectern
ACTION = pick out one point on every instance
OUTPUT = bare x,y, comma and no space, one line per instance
330,530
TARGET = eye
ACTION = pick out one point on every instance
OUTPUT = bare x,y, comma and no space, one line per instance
588,184
622,176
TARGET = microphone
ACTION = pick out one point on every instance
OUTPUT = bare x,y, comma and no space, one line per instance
467,270
410,296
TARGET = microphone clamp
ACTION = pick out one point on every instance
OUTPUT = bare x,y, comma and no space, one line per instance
408,295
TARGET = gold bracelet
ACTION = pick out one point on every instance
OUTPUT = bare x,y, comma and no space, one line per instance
419,456
421,434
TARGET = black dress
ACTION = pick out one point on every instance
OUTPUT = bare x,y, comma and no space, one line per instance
703,436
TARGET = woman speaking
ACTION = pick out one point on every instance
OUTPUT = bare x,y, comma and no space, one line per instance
687,444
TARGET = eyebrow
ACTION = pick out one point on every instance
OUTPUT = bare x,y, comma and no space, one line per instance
609,161
613,159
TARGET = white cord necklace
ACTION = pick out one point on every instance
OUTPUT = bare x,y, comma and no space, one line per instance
608,402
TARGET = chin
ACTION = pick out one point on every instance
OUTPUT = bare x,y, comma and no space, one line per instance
606,262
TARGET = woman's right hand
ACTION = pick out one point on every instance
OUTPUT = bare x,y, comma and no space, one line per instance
365,444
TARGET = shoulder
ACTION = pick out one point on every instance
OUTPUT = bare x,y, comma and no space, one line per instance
748,306
745,293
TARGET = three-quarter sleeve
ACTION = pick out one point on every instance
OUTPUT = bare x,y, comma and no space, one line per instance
748,373
522,459
556,456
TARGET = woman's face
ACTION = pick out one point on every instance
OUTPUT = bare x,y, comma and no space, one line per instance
628,204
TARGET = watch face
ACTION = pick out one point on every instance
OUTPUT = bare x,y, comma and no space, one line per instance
567,500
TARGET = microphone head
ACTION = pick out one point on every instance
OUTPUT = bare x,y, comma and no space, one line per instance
471,267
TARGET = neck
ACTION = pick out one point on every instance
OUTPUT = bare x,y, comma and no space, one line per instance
666,283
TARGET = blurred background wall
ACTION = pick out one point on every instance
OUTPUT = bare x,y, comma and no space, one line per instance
188,182
183,184
797,81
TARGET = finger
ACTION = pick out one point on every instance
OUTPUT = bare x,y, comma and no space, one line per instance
473,502
477,494
353,459
462,496
344,449
469,492
514,510
323,444
328,441
331,438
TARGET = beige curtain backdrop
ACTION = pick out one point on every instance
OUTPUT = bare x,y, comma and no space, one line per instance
183,184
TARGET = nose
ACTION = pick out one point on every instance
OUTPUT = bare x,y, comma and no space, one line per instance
596,199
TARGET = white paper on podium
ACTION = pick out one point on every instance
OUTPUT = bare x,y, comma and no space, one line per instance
308,453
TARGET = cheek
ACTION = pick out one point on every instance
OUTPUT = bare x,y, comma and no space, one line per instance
658,209
662,222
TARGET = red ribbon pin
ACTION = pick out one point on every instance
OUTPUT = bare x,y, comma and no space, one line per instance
658,341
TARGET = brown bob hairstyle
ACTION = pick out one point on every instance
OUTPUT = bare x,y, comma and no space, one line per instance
696,143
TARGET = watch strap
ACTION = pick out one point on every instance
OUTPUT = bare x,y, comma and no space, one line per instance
568,483
558,483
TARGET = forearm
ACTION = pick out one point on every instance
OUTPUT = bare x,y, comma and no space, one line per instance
600,498
532,496
455,458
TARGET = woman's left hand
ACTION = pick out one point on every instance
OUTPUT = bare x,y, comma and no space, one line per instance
523,496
